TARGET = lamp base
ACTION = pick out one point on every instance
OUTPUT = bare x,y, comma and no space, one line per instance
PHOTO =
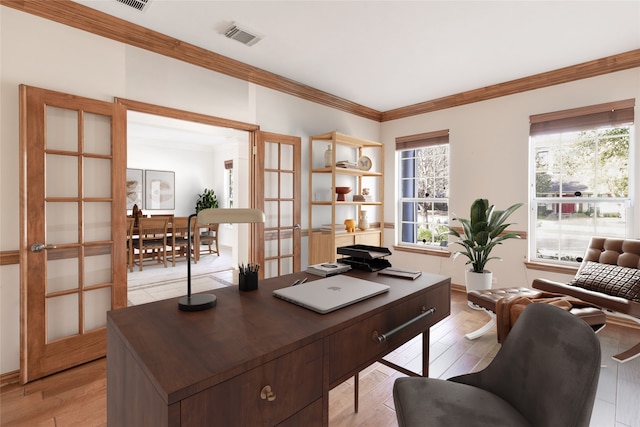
197,302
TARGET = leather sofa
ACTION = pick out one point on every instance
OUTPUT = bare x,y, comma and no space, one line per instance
609,277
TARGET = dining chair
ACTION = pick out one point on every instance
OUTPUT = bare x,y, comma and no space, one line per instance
130,223
152,239
168,216
209,237
179,240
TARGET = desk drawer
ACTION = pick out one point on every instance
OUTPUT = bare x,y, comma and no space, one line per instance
357,346
294,379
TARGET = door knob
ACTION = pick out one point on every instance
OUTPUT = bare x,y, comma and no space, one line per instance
39,247
296,227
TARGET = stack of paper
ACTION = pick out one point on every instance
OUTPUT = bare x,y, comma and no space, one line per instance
327,269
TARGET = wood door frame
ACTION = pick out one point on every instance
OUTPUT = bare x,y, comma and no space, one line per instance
174,113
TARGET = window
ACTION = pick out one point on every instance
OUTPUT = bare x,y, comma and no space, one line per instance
228,182
423,178
580,169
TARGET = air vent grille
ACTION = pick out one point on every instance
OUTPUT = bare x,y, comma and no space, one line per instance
136,4
242,35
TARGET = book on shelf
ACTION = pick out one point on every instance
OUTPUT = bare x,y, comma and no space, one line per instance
401,272
326,269
346,164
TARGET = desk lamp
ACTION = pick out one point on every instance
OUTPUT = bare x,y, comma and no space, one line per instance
207,217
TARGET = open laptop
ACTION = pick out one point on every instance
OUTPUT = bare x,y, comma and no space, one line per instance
330,293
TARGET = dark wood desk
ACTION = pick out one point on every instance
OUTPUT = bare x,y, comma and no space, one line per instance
254,359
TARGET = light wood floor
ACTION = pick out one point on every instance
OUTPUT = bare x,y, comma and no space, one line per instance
78,397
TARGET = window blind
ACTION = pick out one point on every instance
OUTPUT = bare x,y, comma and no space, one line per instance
617,113
422,140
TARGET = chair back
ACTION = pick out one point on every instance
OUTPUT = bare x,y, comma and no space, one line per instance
179,229
548,368
130,223
153,229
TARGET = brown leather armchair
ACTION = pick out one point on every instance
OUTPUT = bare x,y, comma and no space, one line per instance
609,277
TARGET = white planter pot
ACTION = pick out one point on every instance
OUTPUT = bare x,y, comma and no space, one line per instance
477,281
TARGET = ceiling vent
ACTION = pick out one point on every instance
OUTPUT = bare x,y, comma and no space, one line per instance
242,35
140,5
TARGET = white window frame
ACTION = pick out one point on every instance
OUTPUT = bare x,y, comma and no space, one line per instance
416,142
578,201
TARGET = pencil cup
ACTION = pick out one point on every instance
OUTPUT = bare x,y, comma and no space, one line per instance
248,281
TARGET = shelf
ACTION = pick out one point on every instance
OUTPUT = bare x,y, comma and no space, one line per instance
349,140
346,171
323,244
329,203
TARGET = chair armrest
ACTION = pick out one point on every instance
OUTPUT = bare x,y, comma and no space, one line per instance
618,304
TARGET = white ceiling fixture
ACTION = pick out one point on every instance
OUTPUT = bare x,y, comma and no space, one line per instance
242,34
140,5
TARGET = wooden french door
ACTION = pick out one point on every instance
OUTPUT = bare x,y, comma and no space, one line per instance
72,231
278,194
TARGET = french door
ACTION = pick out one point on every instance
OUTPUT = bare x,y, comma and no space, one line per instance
278,194
72,231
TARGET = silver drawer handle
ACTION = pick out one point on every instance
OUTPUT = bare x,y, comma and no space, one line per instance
383,337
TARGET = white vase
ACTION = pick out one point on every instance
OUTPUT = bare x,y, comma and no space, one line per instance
477,281
363,221
328,157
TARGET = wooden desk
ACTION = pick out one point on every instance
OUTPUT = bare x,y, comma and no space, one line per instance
166,367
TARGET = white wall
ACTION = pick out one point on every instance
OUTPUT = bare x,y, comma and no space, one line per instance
489,151
195,168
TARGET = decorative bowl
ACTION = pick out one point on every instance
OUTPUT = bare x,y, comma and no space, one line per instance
341,191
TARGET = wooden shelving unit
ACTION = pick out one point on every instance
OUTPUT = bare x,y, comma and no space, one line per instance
323,206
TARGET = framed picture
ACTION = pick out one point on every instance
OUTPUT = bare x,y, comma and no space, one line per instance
159,189
135,188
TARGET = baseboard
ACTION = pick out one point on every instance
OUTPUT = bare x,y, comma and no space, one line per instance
9,378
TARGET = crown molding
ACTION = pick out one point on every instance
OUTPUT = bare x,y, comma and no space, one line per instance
609,64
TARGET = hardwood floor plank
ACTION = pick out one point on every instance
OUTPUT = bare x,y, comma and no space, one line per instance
627,404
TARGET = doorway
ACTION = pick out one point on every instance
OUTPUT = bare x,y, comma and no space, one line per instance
200,152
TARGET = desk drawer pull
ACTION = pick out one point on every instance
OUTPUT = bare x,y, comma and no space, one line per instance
267,394
383,337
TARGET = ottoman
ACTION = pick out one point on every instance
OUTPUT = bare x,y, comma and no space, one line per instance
486,299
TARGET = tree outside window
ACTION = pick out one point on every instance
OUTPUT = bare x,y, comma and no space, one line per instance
581,190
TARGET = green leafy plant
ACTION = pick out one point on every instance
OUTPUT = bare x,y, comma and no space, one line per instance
482,232
206,200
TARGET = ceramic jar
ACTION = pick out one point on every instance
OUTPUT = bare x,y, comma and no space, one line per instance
328,157
363,221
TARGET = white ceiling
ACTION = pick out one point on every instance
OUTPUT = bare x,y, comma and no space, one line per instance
161,132
391,54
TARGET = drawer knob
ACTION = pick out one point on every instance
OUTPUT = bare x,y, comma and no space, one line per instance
267,394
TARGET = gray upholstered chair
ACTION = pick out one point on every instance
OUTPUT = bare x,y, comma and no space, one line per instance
545,374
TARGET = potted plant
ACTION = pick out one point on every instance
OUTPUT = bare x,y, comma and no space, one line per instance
481,233
206,200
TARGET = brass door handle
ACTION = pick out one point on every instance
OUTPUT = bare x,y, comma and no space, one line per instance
267,394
